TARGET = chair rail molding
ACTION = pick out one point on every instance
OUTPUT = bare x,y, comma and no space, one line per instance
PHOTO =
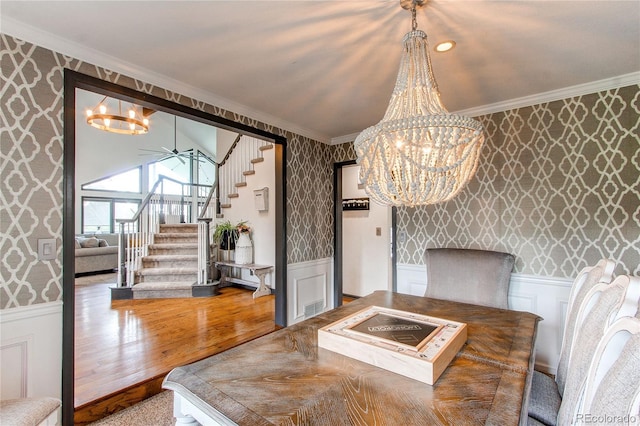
545,296
31,351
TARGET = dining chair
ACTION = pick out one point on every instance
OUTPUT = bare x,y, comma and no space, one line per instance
480,277
546,392
602,306
612,389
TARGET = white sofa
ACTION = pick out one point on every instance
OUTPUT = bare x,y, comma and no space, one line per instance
96,253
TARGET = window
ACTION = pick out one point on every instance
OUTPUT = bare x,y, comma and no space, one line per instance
99,215
175,167
127,181
206,170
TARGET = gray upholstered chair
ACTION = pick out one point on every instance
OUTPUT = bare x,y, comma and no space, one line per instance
480,277
546,393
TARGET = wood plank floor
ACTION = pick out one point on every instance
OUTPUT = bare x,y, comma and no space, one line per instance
124,348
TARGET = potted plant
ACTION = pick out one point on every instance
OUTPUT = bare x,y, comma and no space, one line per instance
225,236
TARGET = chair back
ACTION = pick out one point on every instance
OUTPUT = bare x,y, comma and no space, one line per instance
612,387
480,277
602,305
589,277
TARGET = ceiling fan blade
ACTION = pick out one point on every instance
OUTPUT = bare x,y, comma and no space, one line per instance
168,150
150,150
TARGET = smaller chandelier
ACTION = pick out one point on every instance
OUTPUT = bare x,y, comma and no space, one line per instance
419,153
131,123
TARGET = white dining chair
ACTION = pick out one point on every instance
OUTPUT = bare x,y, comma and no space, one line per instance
480,277
546,392
612,389
602,306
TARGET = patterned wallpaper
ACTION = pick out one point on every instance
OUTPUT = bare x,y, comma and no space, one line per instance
31,174
558,183
558,186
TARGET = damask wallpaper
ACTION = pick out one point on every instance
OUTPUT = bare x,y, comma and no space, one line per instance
558,183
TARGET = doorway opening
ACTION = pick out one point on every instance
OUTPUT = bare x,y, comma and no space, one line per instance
364,243
73,81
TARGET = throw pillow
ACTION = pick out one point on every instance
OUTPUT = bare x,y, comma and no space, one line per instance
78,243
89,243
103,243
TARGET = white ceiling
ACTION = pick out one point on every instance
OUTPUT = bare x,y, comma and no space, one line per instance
326,69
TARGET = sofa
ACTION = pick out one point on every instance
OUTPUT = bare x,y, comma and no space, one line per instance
94,253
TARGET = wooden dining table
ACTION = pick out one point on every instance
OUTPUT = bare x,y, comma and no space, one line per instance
284,378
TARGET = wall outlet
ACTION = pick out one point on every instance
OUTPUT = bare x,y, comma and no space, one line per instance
46,248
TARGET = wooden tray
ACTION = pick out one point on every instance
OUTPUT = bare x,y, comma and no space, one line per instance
413,345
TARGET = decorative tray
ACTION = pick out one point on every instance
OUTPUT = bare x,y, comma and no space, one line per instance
417,346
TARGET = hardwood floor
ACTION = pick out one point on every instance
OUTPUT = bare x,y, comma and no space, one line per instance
124,348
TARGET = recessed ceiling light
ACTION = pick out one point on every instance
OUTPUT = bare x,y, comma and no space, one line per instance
445,46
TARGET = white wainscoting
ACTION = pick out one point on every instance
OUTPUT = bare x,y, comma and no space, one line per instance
31,351
309,289
543,296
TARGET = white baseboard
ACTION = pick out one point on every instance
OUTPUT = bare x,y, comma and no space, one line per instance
540,295
31,351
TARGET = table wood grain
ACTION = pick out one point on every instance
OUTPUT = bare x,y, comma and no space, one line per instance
284,378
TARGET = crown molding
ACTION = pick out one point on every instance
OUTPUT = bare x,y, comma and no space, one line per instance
556,95
344,139
540,98
61,45
66,47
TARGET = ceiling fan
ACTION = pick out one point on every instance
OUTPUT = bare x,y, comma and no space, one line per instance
167,153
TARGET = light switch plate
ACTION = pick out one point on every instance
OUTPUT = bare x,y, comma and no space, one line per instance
46,248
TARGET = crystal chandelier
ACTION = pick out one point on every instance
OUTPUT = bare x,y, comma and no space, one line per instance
133,123
418,153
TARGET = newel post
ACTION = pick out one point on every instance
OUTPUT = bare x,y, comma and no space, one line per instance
122,268
204,250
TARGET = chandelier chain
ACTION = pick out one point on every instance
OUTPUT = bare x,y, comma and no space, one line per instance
414,21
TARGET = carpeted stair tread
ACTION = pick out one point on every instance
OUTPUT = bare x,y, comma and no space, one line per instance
176,236
169,257
189,228
163,285
167,271
173,245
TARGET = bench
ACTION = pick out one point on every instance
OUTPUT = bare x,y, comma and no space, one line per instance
259,271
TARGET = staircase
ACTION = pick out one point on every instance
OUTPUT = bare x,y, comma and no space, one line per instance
169,270
234,176
166,263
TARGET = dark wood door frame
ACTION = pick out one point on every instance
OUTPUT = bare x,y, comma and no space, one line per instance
74,80
337,235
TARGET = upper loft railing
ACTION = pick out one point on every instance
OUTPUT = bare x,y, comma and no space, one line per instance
194,203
